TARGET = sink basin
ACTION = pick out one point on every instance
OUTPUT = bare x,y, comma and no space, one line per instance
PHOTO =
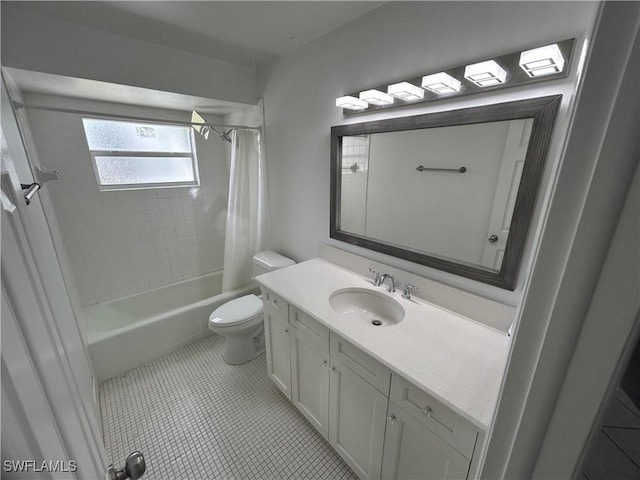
367,306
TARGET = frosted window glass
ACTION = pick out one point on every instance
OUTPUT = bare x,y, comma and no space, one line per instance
136,137
144,170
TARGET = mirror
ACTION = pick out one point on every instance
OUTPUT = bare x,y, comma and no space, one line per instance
451,190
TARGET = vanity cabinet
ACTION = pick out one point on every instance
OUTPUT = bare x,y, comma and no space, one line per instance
424,438
309,346
276,333
380,424
413,451
357,415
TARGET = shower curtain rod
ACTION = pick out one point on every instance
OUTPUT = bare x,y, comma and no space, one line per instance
18,106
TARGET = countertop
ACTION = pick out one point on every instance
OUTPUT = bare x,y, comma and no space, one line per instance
453,358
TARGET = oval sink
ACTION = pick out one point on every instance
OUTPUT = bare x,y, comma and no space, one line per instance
360,304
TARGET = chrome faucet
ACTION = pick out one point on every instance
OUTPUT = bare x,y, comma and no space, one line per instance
392,285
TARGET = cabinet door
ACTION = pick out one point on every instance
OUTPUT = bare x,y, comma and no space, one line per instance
310,379
276,330
357,417
412,451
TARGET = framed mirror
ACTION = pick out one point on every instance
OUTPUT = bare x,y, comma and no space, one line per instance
452,190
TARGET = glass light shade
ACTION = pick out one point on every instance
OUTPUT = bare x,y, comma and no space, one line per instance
376,97
405,91
542,61
485,74
441,83
351,103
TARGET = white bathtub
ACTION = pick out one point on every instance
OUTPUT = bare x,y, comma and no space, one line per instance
130,331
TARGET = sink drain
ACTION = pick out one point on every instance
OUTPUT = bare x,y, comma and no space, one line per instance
376,322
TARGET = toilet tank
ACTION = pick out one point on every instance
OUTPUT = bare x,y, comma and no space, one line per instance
269,261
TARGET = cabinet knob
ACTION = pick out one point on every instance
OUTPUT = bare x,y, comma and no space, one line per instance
284,332
275,302
391,418
333,368
324,362
427,411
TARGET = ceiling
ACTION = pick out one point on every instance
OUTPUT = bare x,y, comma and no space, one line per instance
239,32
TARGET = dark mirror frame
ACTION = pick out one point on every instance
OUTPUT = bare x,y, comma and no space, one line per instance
543,110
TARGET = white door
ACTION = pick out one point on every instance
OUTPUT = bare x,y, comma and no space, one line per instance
515,151
42,327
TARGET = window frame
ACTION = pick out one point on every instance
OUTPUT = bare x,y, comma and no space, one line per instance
148,153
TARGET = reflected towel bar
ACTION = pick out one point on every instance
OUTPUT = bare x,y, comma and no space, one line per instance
420,168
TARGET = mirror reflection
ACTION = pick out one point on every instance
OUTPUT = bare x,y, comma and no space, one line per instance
448,192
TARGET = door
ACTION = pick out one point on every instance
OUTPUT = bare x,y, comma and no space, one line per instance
310,379
412,451
515,150
276,328
43,324
357,416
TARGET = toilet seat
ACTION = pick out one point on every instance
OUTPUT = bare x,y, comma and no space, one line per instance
236,312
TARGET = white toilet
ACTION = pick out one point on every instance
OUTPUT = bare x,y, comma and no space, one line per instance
240,320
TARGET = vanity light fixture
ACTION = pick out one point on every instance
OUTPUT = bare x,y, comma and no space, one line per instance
406,91
351,103
542,61
485,74
376,97
441,83
539,63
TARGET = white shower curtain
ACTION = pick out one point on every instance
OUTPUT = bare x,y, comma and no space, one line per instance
247,218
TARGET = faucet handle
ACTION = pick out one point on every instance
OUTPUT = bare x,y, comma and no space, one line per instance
377,279
407,290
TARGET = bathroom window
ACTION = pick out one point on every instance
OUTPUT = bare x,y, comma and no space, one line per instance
131,155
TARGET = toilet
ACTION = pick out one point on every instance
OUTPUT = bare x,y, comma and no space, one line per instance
240,320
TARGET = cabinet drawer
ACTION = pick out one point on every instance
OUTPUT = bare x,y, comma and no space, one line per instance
361,363
309,326
276,303
449,426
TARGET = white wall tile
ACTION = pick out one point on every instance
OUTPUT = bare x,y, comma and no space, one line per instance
123,242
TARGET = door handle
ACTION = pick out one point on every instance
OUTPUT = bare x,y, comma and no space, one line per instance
31,190
134,468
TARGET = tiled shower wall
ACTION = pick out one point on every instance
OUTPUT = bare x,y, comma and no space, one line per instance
123,242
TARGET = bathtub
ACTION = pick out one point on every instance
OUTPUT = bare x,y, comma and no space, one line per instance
130,331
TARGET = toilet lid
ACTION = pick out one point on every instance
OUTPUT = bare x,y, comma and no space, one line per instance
238,310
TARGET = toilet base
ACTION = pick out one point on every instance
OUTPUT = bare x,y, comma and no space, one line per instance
239,349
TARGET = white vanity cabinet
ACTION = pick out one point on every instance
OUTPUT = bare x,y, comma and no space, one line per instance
380,424
357,415
309,345
424,438
277,331
412,451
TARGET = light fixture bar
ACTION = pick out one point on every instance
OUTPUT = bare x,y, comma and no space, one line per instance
541,63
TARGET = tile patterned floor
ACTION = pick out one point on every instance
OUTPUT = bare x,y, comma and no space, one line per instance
615,454
195,417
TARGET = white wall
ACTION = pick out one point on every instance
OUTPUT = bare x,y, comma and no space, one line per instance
123,242
35,42
396,41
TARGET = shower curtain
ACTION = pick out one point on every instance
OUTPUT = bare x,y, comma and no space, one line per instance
247,218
